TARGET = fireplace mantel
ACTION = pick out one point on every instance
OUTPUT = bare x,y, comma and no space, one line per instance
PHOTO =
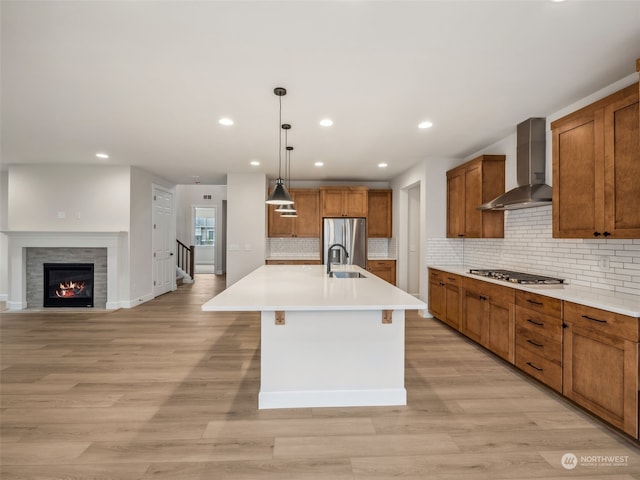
113,241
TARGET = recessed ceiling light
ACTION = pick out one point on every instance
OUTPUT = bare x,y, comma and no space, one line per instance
225,121
382,165
326,122
319,164
255,163
102,155
425,125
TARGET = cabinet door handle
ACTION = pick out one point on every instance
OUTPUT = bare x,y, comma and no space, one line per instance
596,234
539,324
535,302
606,234
593,319
535,344
482,297
533,366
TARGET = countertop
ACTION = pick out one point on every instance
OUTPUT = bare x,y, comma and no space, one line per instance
289,258
308,288
622,303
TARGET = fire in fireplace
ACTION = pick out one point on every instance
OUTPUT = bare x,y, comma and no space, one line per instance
68,284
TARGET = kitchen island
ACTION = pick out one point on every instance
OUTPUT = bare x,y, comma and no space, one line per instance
325,341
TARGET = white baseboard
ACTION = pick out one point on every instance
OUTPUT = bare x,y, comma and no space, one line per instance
332,398
4,297
134,303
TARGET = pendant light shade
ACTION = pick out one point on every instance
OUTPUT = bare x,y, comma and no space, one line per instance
280,195
288,211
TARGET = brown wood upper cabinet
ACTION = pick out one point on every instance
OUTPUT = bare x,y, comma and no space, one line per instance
343,201
379,214
469,186
306,224
596,169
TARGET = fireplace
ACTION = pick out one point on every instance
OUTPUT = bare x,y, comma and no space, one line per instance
68,285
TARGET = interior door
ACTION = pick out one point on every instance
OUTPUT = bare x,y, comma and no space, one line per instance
164,269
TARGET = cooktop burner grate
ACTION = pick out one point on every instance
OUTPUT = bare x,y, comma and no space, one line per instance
517,277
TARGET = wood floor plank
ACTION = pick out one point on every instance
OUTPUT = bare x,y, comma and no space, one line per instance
364,445
166,391
127,471
289,427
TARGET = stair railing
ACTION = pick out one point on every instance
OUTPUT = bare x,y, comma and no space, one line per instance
186,258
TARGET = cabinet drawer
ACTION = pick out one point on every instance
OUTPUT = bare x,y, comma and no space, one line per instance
452,279
611,323
540,368
550,327
490,291
445,277
539,303
436,275
380,263
539,344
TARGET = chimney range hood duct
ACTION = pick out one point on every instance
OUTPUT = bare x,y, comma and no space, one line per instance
531,165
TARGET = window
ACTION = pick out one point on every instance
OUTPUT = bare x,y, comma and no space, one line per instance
205,228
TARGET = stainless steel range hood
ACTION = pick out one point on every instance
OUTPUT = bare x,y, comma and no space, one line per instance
531,166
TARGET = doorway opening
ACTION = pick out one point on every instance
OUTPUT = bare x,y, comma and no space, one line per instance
204,240
413,240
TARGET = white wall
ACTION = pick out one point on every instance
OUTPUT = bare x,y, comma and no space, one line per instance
93,199
140,234
528,244
190,196
246,223
430,176
90,198
4,241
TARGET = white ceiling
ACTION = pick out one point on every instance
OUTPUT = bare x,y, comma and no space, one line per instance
147,81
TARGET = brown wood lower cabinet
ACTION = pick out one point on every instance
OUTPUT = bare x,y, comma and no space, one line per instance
539,337
601,364
385,269
294,262
444,297
589,355
488,316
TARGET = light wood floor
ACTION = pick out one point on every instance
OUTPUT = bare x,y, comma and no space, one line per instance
165,391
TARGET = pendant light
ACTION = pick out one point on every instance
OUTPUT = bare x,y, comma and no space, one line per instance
290,210
280,195
287,180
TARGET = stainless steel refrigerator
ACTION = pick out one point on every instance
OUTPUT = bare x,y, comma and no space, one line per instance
349,232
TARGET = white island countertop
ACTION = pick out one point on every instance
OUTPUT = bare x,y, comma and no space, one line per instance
307,287
622,303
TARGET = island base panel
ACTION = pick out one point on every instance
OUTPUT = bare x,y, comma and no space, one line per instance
332,358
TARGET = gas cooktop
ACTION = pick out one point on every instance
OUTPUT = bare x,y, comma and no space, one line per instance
517,277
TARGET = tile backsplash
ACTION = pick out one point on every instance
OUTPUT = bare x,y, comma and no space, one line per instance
310,248
528,246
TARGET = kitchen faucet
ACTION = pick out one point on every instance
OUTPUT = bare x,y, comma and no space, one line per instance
335,245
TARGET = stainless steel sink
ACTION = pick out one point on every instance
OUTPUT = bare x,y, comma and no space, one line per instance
346,275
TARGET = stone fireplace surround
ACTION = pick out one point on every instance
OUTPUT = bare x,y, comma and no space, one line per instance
38,256
23,245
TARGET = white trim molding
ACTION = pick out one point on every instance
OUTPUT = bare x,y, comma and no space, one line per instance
114,242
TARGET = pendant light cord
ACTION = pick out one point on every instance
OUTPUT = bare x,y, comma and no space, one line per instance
286,157
280,140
